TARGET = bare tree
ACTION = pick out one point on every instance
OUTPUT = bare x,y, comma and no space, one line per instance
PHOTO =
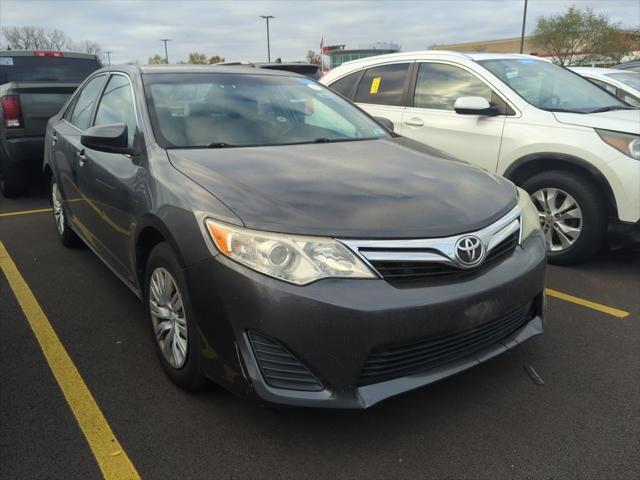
313,57
35,38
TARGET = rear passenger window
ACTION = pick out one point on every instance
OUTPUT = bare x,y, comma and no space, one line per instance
383,85
346,85
81,114
439,86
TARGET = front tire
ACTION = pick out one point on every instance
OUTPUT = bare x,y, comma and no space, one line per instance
572,214
174,328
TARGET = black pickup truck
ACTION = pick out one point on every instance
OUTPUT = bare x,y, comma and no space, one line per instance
33,87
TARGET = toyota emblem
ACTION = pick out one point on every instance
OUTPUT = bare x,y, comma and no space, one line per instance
469,251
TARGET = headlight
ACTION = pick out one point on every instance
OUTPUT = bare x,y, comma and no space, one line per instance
530,215
292,258
625,142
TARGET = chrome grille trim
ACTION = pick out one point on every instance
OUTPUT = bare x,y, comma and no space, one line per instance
434,250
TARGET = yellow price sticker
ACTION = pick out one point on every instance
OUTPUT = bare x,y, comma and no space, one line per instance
375,85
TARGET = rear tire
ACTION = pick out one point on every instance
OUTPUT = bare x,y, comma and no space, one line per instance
174,328
14,180
569,190
60,218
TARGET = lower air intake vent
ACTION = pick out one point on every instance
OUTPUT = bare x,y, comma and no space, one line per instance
279,367
419,357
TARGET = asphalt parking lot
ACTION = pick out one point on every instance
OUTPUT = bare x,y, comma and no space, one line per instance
493,421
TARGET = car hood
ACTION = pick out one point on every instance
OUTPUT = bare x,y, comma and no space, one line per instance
360,189
627,121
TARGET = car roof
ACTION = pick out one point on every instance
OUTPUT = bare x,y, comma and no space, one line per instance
435,54
239,69
30,53
595,70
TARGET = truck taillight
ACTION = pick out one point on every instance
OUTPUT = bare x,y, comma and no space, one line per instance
11,111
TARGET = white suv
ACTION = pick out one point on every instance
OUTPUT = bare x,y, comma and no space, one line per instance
574,147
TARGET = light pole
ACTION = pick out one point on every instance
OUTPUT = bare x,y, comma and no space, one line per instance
524,22
166,54
267,17
109,56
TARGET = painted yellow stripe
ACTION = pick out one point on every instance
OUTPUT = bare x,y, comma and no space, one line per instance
25,212
111,457
587,303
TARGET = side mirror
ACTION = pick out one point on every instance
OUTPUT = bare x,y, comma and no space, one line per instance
385,122
113,138
473,106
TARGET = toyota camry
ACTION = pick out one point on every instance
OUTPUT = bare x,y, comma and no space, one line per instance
285,244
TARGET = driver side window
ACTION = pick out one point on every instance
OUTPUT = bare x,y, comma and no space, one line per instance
83,107
116,105
439,85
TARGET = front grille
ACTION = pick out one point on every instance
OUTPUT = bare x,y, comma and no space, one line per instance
279,367
420,357
398,271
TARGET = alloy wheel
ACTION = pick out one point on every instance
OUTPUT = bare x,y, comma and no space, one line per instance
58,211
560,217
168,317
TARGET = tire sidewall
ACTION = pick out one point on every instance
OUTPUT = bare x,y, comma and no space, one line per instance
189,376
592,206
68,237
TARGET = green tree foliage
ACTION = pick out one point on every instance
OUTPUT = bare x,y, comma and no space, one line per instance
580,37
197,58
156,60
215,59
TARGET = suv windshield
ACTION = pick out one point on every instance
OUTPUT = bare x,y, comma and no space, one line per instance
550,87
219,110
46,69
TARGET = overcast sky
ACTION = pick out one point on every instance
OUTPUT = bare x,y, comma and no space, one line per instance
232,29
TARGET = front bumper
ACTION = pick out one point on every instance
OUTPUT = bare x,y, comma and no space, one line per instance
333,325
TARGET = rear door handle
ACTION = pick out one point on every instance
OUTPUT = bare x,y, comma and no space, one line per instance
82,158
414,122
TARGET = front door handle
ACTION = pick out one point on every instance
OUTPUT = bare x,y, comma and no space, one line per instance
414,122
82,158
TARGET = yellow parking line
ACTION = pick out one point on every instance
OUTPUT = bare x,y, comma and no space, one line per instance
25,212
111,457
587,303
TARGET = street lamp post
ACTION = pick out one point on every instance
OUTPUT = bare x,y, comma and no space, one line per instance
166,54
267,17
524,22
109,56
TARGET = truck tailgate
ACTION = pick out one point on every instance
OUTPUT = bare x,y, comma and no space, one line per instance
40,102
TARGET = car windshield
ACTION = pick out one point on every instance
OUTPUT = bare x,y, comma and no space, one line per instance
631,79
219,110
550,87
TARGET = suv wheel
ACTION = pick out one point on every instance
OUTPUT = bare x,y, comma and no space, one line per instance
14,180
174,328
67,236
572,215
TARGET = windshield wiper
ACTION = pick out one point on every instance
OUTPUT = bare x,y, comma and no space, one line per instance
219,145
563,110
610,108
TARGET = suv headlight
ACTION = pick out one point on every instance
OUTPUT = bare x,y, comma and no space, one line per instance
293,258
624,142
530,215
